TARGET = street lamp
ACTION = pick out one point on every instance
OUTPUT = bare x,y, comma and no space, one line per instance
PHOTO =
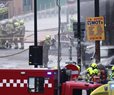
79,35
59,44
35,22
97,43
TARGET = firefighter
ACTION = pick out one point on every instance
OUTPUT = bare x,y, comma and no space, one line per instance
72,19
96,76
89,77
46,47
53,43
112,74
103,74
9,33
1,35
16,34
70,25
89,74
90,70
22,33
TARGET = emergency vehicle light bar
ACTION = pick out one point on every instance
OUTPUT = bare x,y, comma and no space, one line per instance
112,85
49,73
23,73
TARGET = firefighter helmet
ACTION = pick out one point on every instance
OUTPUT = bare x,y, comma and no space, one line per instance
16,24
94,65
112,68
48,36
89,69
91,72
96,71
21,22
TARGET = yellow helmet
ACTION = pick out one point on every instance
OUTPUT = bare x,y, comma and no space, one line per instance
96,71
89,69
91,72
94,65
112,68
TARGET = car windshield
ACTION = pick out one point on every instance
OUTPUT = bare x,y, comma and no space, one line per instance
104,53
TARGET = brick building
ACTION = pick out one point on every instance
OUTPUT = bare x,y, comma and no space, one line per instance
17,7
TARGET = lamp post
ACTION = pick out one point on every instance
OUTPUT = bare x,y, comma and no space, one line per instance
79,35
35,22
59,44
35,25
97,43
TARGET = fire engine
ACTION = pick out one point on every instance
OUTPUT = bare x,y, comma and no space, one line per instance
40,81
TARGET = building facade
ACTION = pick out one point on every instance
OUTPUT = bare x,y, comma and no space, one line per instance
15,7
18,7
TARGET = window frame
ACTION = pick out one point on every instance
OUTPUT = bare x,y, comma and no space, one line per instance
35,85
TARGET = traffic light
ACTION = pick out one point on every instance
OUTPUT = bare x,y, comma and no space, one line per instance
36,55
79,34
75,29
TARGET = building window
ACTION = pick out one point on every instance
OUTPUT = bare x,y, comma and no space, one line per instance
27,5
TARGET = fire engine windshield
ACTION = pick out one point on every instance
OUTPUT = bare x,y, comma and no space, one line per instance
36,84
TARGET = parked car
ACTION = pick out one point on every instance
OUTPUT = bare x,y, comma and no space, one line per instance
108,62
106,55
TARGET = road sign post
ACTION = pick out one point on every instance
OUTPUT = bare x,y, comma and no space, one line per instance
97,43
79,35
75,71
95,32
59,44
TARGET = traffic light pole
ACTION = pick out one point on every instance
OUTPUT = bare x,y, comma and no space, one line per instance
59,44
35,22
79,35
35,25
97,43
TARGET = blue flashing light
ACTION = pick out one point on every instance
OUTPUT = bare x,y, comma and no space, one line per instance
49,73
112,85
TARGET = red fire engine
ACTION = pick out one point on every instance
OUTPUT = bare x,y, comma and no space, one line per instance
39,81
27,82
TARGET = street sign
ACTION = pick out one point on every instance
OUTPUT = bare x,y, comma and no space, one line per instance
74,70
95,28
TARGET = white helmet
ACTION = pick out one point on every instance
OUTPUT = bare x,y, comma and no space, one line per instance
21,22
16,24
